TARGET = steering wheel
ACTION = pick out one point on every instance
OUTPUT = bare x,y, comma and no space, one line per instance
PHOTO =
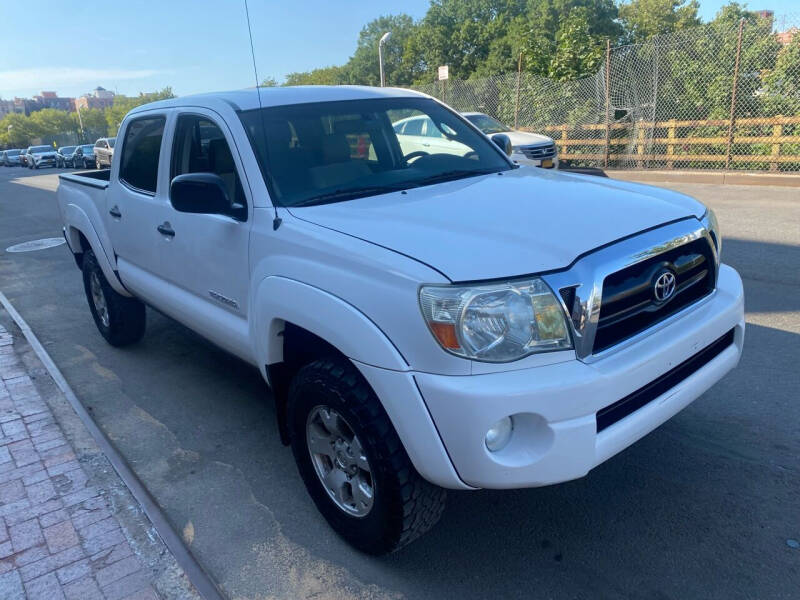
415,154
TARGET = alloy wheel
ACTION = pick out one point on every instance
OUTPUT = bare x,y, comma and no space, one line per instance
99,299
340,461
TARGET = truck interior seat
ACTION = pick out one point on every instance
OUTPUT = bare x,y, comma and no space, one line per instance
338,167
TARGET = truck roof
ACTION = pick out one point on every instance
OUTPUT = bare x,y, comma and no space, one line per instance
280,96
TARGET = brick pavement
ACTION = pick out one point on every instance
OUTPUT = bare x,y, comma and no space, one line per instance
59,536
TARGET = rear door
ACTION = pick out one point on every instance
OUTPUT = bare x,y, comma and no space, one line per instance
136,205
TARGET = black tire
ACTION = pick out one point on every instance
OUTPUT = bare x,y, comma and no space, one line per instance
125,316
405,505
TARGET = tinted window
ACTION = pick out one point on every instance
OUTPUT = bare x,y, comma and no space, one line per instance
200,147
140,152
413,127
334,151
40,149
487,124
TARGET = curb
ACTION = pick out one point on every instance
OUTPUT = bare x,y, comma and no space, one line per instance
201,581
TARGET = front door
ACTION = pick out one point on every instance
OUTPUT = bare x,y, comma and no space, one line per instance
206,259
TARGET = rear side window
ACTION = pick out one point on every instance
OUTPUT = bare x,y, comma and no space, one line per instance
141,149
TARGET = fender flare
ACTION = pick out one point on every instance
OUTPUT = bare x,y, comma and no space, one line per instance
79,222
277,299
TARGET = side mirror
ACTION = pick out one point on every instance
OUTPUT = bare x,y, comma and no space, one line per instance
203,193
503,142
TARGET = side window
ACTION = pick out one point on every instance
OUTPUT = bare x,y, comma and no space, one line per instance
200,147
140,152
413,127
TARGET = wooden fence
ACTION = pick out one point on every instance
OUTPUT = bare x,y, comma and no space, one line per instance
673,144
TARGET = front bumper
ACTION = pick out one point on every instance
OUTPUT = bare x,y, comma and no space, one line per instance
521,159
555,436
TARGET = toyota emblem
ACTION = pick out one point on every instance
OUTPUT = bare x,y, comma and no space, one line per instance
664,287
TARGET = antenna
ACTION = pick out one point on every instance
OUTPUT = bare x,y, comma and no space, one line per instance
276,222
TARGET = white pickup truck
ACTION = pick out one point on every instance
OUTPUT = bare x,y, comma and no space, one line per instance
427,319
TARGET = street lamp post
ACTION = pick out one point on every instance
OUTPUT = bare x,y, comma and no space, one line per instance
385,37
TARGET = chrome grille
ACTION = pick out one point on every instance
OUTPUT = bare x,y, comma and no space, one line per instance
628,303
539,151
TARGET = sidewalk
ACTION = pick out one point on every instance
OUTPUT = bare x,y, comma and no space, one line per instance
69,528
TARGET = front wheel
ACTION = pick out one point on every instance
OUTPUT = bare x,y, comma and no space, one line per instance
353,462
120,320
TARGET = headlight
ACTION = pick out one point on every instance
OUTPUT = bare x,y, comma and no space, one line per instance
710,222
495,322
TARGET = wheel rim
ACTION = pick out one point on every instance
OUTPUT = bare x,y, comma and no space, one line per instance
99,299
340,461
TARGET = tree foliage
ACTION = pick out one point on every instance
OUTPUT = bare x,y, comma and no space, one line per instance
643,19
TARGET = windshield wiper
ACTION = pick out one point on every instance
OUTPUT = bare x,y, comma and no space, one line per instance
351,193
456,174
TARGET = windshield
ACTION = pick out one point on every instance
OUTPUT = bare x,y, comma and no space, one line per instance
487,124
88,148
12,153
334,151
40,149
111,142
66,149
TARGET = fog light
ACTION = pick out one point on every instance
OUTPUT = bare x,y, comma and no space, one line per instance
499,434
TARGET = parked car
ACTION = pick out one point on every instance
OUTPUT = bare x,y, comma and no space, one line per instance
529,148
64,156
104,152
419,136
41,156
23,157
83,157
426,320
11,157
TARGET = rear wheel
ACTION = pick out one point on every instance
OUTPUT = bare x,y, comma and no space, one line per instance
353,463
120,320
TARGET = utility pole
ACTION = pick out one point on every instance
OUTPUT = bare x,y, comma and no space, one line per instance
382,41
80,121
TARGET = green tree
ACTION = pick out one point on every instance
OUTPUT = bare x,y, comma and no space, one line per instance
17,131
578,53
269,82
460,34
53,126
642,19
363,67
783,82
558,38
324,76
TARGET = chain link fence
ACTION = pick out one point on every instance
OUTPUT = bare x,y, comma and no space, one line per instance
719,96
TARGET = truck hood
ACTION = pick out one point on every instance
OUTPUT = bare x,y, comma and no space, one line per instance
495,226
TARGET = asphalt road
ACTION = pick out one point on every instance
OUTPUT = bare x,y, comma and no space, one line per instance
701,508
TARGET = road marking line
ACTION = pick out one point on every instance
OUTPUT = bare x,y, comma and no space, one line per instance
202,582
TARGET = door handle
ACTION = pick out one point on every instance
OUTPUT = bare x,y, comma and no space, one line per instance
114,212
166,229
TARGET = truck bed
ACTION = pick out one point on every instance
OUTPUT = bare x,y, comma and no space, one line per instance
97,178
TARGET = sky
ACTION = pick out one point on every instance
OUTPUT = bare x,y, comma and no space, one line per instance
192,45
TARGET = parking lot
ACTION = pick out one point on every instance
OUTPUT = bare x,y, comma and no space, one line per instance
706,506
